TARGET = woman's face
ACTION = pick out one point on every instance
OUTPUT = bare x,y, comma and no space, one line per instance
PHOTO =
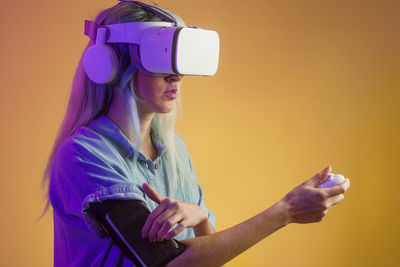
157,94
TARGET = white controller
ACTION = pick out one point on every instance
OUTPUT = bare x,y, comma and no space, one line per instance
333,179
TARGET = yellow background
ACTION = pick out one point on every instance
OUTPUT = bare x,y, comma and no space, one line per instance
300,85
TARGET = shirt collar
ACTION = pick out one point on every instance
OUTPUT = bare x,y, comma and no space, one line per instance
106,127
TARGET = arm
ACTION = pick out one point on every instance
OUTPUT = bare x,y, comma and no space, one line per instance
304,204
170,212
122,220
218,248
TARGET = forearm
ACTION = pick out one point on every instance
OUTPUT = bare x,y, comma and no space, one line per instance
218,248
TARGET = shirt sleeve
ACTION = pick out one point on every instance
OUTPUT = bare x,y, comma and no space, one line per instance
202,204
81,178
210,213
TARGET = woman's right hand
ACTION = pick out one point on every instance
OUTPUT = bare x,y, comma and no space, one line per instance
307,203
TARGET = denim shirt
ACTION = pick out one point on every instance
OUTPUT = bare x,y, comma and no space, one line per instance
95,164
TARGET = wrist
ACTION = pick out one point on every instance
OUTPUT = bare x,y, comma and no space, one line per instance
282,211
203,228
203,218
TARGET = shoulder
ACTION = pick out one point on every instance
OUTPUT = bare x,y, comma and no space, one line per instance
84,145
74,143
181,146
182,150
89,139
179,141
86,157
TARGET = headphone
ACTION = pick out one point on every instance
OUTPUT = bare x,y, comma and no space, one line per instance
101,59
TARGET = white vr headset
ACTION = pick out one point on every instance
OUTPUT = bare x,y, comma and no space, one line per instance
159,48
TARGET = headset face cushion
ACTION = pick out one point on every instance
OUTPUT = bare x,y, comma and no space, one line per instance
101,64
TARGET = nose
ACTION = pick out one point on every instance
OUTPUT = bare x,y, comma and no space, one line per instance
174,78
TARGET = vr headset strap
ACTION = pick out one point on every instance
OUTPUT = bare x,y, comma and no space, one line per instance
162,12
91,27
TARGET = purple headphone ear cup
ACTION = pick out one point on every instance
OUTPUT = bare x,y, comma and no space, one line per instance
101,63
116,57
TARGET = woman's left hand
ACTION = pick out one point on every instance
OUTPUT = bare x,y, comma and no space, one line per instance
169,212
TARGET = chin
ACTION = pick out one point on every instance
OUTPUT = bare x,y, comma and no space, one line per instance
165,109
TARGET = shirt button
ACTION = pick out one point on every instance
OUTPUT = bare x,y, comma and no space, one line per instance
147,165
157,165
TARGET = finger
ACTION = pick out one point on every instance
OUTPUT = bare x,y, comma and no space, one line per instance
179,228
319,177
158,223
168,224
337,189
152,216
332,201
152,194
310,216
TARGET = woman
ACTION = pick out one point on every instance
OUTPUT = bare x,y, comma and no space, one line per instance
117,142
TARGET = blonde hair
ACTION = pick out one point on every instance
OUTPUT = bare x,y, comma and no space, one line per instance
88,100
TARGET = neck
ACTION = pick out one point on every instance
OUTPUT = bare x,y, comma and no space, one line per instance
118,114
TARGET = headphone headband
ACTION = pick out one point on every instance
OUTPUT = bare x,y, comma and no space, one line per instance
91,27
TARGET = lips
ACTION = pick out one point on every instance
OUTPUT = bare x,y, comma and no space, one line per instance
171,93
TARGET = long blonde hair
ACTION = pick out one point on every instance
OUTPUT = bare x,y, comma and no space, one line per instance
88,100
